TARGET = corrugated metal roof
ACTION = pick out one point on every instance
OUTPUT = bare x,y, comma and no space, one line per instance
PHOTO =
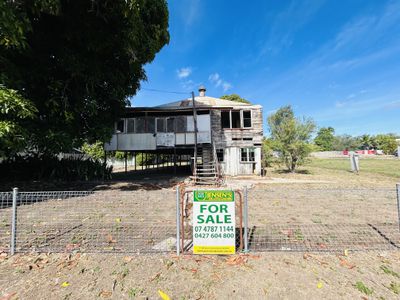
204,101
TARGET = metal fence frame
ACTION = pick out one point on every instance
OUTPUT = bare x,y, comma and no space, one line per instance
18,197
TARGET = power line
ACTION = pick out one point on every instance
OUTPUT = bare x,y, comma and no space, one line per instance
163,91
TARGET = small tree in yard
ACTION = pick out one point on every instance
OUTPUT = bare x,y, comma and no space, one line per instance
291,136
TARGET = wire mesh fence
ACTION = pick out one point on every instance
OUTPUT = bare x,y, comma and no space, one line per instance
91,222
287,219
144,221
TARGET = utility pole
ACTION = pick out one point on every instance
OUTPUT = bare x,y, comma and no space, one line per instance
195,136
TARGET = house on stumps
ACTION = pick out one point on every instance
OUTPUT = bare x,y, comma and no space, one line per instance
225,136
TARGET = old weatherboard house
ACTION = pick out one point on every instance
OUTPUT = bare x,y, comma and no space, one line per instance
229,135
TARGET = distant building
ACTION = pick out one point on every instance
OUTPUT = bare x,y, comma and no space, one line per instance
229,134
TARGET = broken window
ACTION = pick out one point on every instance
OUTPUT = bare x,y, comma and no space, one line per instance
160,125
247,118
220,154
236,119
140,125
130,126
121,126
170,125
235,115
247,155
225,119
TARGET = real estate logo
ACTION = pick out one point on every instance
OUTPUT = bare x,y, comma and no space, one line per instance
214,222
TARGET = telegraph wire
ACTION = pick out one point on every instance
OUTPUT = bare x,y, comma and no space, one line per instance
164,91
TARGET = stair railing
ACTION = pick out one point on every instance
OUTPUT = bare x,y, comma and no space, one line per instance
218,168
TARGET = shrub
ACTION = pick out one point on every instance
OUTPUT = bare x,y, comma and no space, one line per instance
52,168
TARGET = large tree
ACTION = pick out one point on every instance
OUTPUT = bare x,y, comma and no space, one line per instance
325,138
291,136
77,62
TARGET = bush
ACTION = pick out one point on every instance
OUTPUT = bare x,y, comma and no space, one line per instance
52,168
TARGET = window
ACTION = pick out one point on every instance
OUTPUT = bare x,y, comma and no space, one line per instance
140,125
121,126
225,119
235,116
247,118
247,155
180,123
160,123
170,124
130,126
236,119
151,124
220,154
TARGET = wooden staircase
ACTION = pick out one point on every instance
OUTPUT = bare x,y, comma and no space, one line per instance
207,172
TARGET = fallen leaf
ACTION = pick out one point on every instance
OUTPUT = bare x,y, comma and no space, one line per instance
110,239
105,294
8,296
236,260
128,259
163,295
155,276
345,263
287,232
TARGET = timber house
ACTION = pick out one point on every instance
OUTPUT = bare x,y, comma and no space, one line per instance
228,140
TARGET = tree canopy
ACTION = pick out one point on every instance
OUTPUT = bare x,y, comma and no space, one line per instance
290,136
76,63
235,97
325,138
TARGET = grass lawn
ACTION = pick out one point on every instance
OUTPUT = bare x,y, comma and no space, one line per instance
387,167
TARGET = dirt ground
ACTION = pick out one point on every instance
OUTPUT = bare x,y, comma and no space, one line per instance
316,207
359,275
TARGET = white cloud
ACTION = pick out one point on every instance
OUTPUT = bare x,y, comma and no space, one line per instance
216,79
184,72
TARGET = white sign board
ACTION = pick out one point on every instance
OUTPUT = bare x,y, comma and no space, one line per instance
166,139
213,222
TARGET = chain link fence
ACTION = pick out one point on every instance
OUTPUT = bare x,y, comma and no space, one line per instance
145,221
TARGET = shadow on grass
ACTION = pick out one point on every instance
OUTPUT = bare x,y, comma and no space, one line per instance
283,171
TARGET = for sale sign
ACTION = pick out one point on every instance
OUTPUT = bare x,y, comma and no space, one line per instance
213,222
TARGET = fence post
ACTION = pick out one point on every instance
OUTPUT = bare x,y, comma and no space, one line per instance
246,236
178,215
14,221
398,202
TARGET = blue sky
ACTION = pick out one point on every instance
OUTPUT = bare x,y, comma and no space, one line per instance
337,62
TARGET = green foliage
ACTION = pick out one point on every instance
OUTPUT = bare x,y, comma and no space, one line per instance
235,97
389,271
325,138
268,153
78,62
345,142
52,168
363,288
291,137
386,142
14,112
94,150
